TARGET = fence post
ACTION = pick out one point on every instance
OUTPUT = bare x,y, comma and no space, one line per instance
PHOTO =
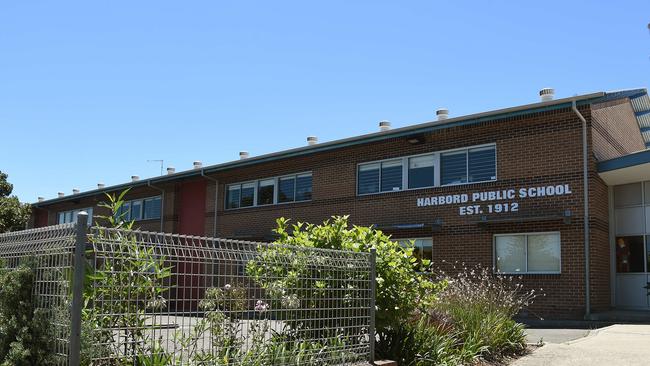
373,294
77,288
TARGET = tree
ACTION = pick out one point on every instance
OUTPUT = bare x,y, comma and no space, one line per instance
13,214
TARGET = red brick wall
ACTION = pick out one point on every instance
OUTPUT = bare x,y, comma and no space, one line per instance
533,150
537,150
615,130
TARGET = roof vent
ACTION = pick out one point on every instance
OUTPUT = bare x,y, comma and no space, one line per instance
41,199
244,155
547,94
61,194
135,178
101,185
312,140
171,170
384,126
75,191
197,164
442,114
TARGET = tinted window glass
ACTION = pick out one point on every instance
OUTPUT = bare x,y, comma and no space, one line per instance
629,254
369,178
126,211
391,176
453,167
421,171
152,208
247,194
136,210
232,196
286,189
265,192
482,164
627,195
303,187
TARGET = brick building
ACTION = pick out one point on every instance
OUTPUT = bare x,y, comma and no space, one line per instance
503,188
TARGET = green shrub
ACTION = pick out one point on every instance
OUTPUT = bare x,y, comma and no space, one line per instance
294,279
25,332
481,306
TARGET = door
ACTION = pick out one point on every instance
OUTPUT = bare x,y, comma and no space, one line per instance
631,245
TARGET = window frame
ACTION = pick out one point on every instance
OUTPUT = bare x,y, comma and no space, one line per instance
142,200
276,190
73,215
526,235
437,171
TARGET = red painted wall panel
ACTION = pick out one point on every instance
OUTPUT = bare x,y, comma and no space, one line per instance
191,208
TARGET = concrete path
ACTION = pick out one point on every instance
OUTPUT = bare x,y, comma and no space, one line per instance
624,345
546,336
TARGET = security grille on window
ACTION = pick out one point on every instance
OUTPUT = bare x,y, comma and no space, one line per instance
285,189
527,253
67,217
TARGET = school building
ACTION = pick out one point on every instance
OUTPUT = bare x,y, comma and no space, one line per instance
507,188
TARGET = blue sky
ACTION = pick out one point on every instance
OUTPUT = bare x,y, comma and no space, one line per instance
90,90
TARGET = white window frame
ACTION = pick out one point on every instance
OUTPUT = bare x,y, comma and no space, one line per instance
437,171
526,272
276,191
73,215
142,200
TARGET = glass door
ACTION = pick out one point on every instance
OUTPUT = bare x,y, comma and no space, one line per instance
632,245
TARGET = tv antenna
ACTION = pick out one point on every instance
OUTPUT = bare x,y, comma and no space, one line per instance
162,162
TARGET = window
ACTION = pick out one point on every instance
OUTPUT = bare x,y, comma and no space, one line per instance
152,208
233,193
287,189
247,195
136,210
629,254
461,166
423,247
391,176
265,192
67,217
453,166
303,187
482,164
141,209
291,188
527,253
368,180
422,171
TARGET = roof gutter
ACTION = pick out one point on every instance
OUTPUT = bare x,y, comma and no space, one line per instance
368,138
585,190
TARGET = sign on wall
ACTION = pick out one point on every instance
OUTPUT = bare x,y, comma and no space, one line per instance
487,202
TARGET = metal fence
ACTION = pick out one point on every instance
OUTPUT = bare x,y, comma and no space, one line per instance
163,299
50,253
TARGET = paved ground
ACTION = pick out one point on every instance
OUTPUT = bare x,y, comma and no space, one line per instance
548,336
625,345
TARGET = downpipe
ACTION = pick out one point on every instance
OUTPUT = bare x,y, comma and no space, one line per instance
585,189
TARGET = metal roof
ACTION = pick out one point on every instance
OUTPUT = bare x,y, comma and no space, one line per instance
638,96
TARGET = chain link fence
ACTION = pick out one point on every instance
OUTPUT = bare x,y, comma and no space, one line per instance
162,299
